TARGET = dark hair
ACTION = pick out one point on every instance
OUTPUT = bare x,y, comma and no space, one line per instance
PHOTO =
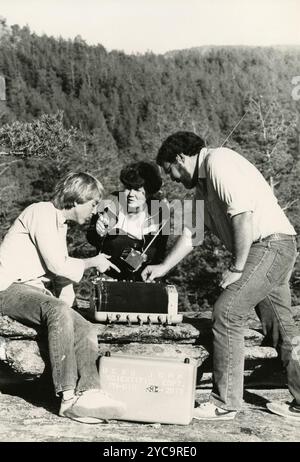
76,187
179,143
142,173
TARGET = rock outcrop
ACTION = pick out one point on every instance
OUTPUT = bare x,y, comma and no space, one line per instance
24,349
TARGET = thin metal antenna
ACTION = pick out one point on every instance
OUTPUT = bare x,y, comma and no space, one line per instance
226,139
155,236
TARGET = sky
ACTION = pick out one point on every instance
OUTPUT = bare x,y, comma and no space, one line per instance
138,26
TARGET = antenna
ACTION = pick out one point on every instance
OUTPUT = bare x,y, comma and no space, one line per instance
227,138
155,236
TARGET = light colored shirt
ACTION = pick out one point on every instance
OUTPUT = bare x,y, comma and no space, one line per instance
229,185
35,247
136,225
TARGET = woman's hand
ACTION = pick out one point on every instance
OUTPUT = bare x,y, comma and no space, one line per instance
102,224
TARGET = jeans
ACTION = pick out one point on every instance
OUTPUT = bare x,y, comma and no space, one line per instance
72,341
265,280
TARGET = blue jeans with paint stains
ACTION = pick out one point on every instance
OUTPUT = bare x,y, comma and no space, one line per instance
265,281
72,341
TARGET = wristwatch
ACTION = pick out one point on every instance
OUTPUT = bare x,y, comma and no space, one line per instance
233,269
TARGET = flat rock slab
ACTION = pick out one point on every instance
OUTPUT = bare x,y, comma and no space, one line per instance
14,329
195,352
27,416
155,333
180,352
196,326
184,332
25,356
24,349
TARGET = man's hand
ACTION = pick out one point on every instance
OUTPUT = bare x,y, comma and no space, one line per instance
228,278
103,264
152,272
269,324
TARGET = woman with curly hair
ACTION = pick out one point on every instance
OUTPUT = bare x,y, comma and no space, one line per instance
129,220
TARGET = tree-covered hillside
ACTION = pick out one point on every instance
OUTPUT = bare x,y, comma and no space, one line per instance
119,107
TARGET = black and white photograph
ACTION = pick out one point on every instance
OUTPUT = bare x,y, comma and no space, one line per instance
149,220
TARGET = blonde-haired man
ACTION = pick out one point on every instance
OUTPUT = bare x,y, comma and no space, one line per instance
35,250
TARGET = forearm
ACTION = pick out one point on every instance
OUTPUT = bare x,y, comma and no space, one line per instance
181,249
242,238
89,262
92,236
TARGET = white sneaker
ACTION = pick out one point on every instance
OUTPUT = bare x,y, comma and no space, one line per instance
285,409
65,411
96,404
209,411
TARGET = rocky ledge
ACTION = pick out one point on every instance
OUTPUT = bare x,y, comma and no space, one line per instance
24,348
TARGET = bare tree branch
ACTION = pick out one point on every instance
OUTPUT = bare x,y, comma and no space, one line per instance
4,164
9,186
4,170
289,204
7,165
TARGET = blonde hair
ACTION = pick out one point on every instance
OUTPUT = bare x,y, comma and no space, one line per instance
76,187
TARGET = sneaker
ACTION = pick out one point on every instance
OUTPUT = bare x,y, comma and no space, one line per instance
209,411
96,404
285,409
65,411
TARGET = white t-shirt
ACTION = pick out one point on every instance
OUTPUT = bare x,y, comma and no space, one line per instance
229,185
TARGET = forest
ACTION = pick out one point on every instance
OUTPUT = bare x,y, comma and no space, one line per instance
72,106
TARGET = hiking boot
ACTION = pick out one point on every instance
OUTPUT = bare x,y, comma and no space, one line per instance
285,409
64,411
97,404
209,411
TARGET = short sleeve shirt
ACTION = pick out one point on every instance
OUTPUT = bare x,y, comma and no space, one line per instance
229,185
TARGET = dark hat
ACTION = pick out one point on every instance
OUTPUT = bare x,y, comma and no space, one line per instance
140,174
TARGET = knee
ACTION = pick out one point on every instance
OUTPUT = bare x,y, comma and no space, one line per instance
85,330
226,315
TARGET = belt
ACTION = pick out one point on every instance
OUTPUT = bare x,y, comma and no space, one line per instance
277,237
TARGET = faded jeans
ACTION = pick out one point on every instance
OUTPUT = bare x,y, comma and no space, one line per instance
265,280
72,342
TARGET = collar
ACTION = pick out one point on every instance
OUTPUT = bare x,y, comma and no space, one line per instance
201,163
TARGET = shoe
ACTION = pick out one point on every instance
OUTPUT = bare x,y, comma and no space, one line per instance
285,409
65,411
209,411
95,404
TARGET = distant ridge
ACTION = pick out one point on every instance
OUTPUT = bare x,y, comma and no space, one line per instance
205,49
